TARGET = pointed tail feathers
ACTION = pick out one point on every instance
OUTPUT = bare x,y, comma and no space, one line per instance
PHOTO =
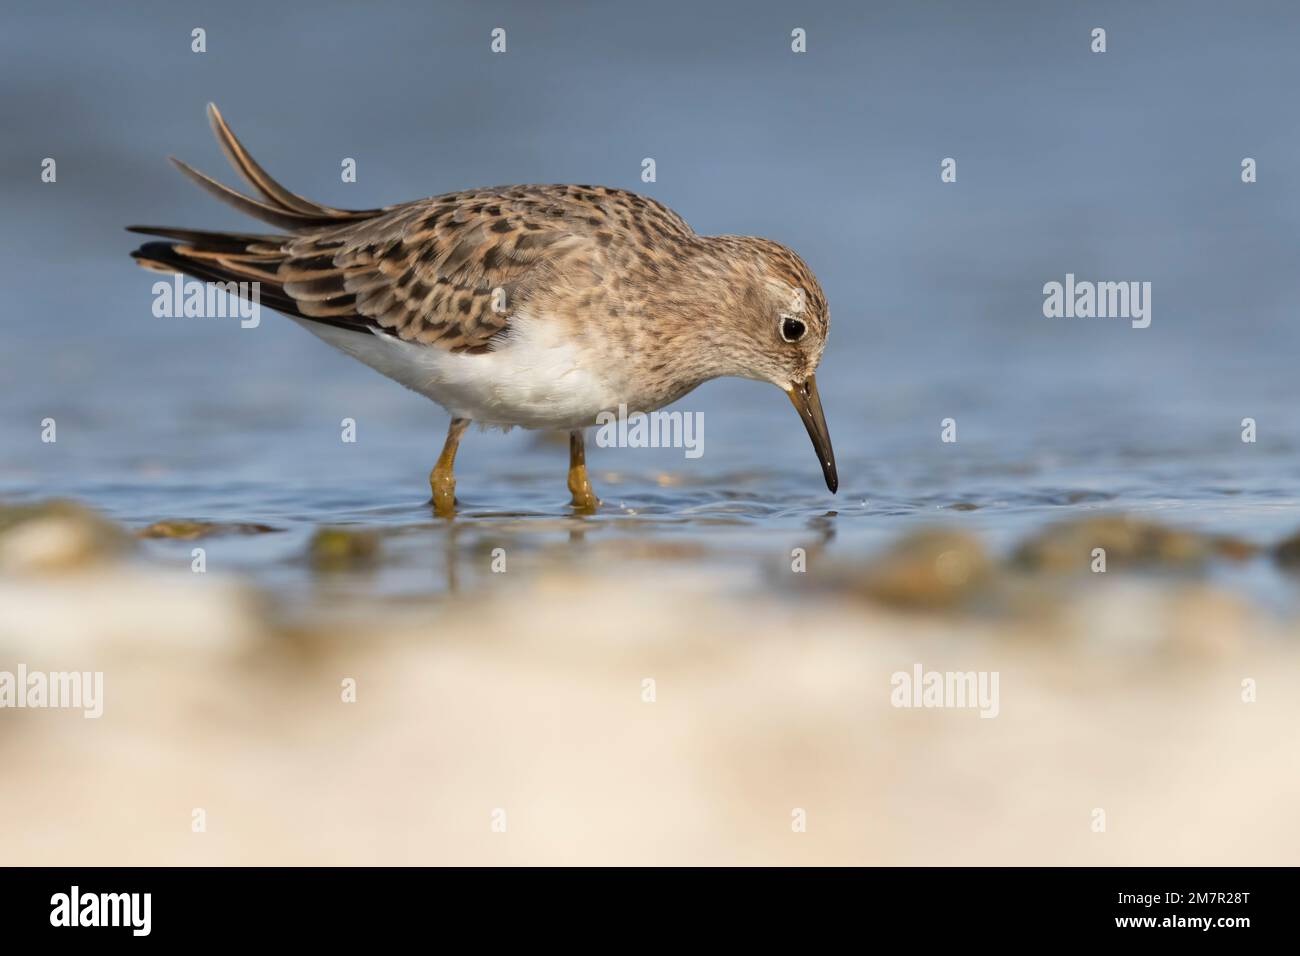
247,257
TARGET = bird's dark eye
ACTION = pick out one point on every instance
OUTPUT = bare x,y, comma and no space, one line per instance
792,330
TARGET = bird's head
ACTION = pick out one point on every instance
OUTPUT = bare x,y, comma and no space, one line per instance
784,324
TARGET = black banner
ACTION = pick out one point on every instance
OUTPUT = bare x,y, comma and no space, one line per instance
1172,906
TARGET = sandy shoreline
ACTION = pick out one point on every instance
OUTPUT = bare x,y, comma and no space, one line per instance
532,699
768,733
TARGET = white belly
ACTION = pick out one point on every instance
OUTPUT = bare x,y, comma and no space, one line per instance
533,380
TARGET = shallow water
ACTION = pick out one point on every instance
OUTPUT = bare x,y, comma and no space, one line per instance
267,448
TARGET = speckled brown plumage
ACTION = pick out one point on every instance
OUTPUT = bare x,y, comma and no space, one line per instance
651,308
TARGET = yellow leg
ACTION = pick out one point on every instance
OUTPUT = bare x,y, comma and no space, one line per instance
584,499
442,481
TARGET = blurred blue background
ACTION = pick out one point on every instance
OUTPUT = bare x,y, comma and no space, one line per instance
1116,166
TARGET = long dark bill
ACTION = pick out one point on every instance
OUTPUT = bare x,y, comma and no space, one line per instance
809,405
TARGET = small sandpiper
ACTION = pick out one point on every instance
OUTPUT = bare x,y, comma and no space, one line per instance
536,306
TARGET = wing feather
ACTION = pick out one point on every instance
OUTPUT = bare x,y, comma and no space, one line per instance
450,270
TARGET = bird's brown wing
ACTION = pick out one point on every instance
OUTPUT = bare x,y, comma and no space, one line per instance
446,271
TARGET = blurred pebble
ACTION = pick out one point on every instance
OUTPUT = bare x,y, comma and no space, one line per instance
57,535
1287,552
1069,545
189,530
334,549
928,569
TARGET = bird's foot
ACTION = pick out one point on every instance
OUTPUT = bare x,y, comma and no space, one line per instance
584,498
443,486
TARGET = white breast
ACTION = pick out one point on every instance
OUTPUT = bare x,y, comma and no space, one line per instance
535,379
